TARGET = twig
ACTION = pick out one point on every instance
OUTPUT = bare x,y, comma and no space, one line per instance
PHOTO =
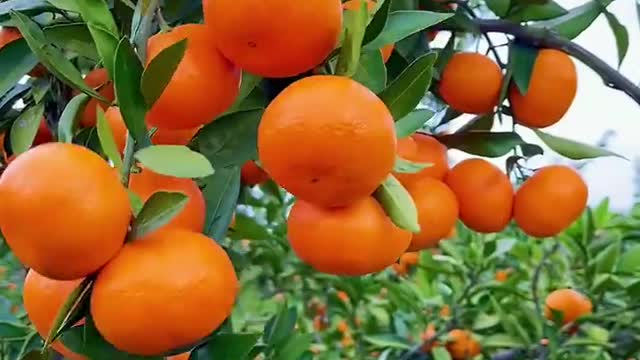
492,47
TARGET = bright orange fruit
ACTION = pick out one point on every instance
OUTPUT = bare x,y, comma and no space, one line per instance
421,148
462,345
251,174
99,80
569,302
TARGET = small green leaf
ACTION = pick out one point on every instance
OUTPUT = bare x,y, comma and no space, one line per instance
160,70
11,330
607,259
409,167
295,346
379,21
136,202
107,142
174,160
69,118
576,20
371,71
630,260
74,308
479,123
73,37
412,122
25,127
68,5
401,24
501,341
499,7
621,34
572,149
29,7
355,25
537,12
247,84
398,204
103,29
387,341
226,347
220,192
158,211
483,143
405,92
440,353
523,58
16,59
281,326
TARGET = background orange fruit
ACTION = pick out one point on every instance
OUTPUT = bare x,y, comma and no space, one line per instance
43,135
165,291
354,240
10,34
552,88
471,83
437,212
462,345
183,356
484,193
251,174
204,85
318,137
569,302
81,210
117,126
423,148
147,182
267,45
99,80
43,298
549,201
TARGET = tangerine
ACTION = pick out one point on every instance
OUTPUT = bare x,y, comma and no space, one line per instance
569,302
183,356
317,139
410,258
43,135
251,174
462,345
97,79
423,148
502,275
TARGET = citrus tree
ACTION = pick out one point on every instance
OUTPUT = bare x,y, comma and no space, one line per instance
239,179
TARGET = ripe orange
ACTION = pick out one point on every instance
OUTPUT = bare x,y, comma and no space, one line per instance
549,201
99,80
183,356
251,174
552,88
174,136
410,258
471,83
354,240
327,140
43,135
570,303
484,193
147,182
343,296
117,126
354,5
462,345
437,212
204,85
400,269
445,311
342,326
427,338
165,291
268,46
502,275
43,298
423,148
318,323
347,340
81,210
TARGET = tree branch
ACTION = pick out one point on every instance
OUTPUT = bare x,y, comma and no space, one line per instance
541,37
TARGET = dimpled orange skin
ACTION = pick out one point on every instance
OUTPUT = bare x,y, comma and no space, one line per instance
471,83
266,45
354,5
327,140
43,298
552,88
97,79
550,201
204,85
81,209
354,240
569,302
164,291
484,193
423,149
462,345
437,212
251,174
147,182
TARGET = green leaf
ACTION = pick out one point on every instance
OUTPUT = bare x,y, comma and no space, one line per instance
498,341
379,21
280,327
479,123
160,70
405,92
355,25
35,355
158,211
387,341
69,118
227,347
484,321
50,56
68,5
572,149
621,34
25,127
135,201
499,7
247,84
537,12
75,307
16,59
11,330
607,259
295,346
401,24
398,204
483,143
522,58
220,192
413,122
440,353
30,7
576,20
39,89
107,142
174,160
231,139
371,71
404,166
128,74
103,29
630,260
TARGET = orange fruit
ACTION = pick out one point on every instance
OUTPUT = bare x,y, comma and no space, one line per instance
117,126
147,182
502,275
343,296
570,303
318,323
354,240
183,356
484,193
549,201
342,326
43,298
164,291
347,340
318,137
99,80
437,212
399,269
81,210
427,338
410,258
471,83
251,174
552,88
445,311
43,135
268,46
421,148
462,345
354,5
204,85
174,137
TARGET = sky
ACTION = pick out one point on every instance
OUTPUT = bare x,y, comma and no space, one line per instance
597,109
